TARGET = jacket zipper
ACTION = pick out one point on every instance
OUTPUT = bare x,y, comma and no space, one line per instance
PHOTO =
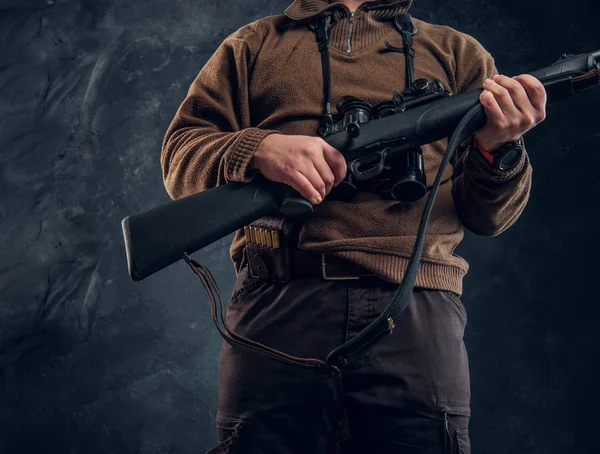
350,33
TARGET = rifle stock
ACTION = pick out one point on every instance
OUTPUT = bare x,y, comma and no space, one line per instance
157,238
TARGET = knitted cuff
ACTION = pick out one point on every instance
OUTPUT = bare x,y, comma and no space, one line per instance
240,154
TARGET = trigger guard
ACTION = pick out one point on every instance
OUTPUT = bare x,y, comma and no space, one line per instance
371,172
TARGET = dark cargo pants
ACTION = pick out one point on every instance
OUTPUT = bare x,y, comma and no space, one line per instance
411,396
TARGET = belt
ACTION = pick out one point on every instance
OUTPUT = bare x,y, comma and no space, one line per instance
329,267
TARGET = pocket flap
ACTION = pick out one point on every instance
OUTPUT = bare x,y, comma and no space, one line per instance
455,409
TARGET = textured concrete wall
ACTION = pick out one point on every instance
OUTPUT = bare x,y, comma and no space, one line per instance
92,362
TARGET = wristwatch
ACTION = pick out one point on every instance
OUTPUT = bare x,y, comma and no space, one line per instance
508,155
505,157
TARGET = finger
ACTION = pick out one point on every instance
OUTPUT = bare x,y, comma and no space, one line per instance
301,184
517,93
503,98
336,162
311,173
536,93
322,166
325,173
493,112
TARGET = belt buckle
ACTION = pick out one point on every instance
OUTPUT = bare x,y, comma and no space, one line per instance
332,278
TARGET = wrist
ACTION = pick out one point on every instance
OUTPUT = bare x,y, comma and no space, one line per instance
505,157
488,151
489,157
260,148
491,146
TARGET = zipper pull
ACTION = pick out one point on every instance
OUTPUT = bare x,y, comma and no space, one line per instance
351,21
448,438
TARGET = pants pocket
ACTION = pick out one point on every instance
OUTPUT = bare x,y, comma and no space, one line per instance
243,284
456,429
228,431
457,302
463,444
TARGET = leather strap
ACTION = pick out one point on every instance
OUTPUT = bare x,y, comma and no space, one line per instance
587,80
218,314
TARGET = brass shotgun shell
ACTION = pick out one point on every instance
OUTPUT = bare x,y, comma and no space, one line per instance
275,238
268,238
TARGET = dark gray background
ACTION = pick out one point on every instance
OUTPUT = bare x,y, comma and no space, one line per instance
92,362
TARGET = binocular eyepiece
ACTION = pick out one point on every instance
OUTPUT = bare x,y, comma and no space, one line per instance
402,177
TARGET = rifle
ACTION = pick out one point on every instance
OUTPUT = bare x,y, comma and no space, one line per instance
163,235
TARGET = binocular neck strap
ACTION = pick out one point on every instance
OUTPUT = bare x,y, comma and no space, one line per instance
406,28
321,25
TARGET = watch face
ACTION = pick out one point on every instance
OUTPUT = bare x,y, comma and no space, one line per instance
509,158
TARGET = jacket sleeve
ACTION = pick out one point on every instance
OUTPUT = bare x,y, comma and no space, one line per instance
210,141
488,201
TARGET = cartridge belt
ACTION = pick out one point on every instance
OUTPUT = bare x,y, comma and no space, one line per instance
271,254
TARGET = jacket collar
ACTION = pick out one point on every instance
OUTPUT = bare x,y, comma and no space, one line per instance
379,9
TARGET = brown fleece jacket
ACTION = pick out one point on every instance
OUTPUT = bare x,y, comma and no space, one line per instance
266,78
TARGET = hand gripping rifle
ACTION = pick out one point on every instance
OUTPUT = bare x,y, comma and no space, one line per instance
163,235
